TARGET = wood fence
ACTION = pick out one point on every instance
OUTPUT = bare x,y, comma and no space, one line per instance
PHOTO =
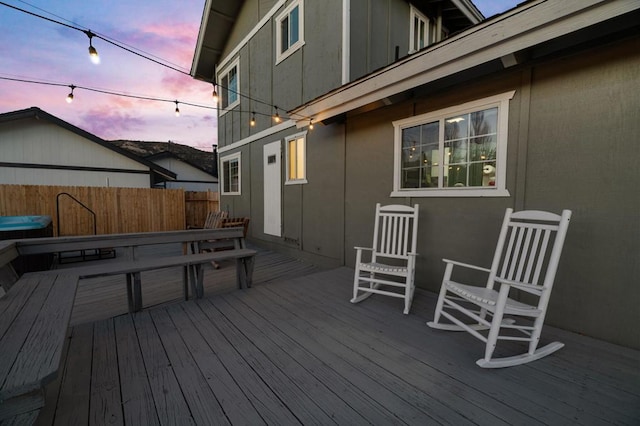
117,210
198,205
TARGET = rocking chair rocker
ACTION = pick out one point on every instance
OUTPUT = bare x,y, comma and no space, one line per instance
521,262
394,242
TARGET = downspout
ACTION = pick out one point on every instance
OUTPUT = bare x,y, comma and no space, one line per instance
346,41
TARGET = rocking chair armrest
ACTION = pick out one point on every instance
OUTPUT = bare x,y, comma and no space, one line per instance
364,248
529,288
412,254
466,265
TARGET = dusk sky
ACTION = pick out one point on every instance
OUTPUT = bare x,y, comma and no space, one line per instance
32,48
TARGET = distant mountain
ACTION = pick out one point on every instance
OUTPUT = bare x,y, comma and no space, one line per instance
197,158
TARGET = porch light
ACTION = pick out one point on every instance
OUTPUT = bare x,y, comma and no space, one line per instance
93,53
70,95
177,109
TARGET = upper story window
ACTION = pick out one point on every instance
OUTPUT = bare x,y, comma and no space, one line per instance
289,30
296,158
230,183
459,151
418,31
229,80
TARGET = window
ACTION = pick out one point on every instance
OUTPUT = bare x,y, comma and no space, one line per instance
296,158
418,31
289,30
231,175
459,151
230,86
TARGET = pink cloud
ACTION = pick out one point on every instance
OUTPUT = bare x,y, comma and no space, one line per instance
109,123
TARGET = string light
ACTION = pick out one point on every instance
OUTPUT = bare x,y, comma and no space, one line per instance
215,94
276,116
177,109
253,119
70,95
93,53
311,124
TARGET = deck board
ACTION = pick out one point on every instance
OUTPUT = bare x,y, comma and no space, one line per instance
293,350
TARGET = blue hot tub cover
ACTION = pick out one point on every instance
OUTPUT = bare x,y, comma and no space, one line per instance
19,223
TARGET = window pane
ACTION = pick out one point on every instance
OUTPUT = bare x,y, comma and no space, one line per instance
284,35
484,122
292,159
233,85
294,33
233,176
456,127
224,93
420,162
300,159
227,176
482,148
456,176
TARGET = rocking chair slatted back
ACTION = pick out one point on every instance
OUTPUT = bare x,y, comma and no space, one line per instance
395,229
526,254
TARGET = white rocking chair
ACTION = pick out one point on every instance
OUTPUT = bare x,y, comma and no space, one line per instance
394,242
521,262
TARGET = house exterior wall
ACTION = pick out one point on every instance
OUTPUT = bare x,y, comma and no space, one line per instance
377,27
572,144
47,145
188,177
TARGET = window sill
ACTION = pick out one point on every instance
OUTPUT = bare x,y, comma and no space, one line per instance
466,192
296,182
290,51
230,193
223,111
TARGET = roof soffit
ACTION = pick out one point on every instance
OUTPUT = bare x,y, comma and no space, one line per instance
530,24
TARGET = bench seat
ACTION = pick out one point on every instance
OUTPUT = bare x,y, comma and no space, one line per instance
34,318
193,271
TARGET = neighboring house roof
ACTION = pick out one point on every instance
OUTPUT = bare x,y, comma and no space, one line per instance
533,30
166,154
37,113
220,16
203,160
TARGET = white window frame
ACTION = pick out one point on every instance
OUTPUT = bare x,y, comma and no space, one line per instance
220,78
232,157
281,56
415,13
297,181
501,102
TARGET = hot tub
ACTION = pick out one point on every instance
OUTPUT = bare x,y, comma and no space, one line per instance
19,227
24,223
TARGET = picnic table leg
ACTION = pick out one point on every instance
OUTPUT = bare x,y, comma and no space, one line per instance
248,264
130,292
185,282
200,282
137,291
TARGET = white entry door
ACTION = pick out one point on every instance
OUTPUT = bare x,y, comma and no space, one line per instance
272,189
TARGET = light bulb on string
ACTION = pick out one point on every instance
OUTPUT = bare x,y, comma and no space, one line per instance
177,109
215,94
93,53
253,119
276,116
70,95
311,124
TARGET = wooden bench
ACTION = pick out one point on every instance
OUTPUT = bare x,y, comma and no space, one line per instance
192,259
34,318
36,309
193,262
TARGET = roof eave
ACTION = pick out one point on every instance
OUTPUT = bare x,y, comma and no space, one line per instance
520,28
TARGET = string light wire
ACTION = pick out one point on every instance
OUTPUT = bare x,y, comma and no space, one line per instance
136,52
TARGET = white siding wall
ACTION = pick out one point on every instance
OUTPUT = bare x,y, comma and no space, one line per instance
40,142
186,172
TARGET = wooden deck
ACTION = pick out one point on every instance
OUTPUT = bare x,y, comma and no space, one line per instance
293,350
